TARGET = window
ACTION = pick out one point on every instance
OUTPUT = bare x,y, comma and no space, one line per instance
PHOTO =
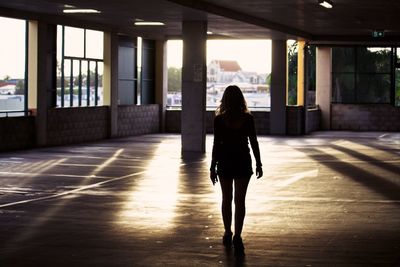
310,62
397,78
79,67
292,49
13,88
246,63
361,74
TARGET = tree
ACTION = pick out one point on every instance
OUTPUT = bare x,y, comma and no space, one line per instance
174,79
20,87
292,73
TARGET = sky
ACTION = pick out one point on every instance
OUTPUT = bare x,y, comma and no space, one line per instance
252,55
12,48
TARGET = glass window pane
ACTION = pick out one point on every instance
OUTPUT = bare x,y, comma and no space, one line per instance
373,60
100,94
373,88
74,42
84,68
343,59
12,65
397,93
398,55
343,88
67,79
248,69
94,44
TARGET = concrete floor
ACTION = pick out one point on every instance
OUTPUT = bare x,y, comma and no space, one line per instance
327,199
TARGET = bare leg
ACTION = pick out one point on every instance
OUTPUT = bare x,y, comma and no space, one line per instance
226,187
240,205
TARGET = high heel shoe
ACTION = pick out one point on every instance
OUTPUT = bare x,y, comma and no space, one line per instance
227,240
239,247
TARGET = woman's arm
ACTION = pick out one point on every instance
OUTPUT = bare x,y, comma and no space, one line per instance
255,147
215,152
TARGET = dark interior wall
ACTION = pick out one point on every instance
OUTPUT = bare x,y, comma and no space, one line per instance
127,71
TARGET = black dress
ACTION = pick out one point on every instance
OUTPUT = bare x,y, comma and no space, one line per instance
231,153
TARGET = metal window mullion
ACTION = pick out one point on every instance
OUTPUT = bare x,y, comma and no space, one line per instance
84,43
62,65
96,84
71,85
88,84
80,84
393,77
26,67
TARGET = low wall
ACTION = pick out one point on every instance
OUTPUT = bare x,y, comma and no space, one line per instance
365,117
313,120
17,133
76,125
173,121
294,120
137,120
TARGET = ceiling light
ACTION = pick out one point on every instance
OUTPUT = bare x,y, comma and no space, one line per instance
69,11
325,3
148,23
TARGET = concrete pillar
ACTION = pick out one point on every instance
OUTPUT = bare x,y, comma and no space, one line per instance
41,71
32,65
278,87
300,73
194,78
110,80
323,86
161,80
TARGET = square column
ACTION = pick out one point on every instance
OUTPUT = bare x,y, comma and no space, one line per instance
278,87
323,84
300,73
41,71
161,80
110,80
194,83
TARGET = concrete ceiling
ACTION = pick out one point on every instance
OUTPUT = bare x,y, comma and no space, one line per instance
348,20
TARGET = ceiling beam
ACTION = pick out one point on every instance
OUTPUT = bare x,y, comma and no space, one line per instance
240,16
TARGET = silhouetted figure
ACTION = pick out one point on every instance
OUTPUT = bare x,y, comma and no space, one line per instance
231,160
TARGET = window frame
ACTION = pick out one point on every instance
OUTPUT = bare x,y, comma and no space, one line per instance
356,73
25,111
80,60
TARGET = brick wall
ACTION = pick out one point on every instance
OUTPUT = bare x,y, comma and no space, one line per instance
17,133
368,117
76,125
313,120
136,120
173,121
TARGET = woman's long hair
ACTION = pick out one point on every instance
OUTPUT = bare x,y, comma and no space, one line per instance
233,104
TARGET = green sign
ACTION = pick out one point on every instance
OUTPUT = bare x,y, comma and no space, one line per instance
377,34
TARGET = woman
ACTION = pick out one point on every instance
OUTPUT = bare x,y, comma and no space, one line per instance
231,160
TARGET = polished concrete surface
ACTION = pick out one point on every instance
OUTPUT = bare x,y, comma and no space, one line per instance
327,199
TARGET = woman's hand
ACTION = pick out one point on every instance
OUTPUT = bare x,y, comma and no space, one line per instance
213,177
259,172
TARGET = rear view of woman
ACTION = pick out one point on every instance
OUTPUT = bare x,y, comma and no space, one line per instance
231,160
